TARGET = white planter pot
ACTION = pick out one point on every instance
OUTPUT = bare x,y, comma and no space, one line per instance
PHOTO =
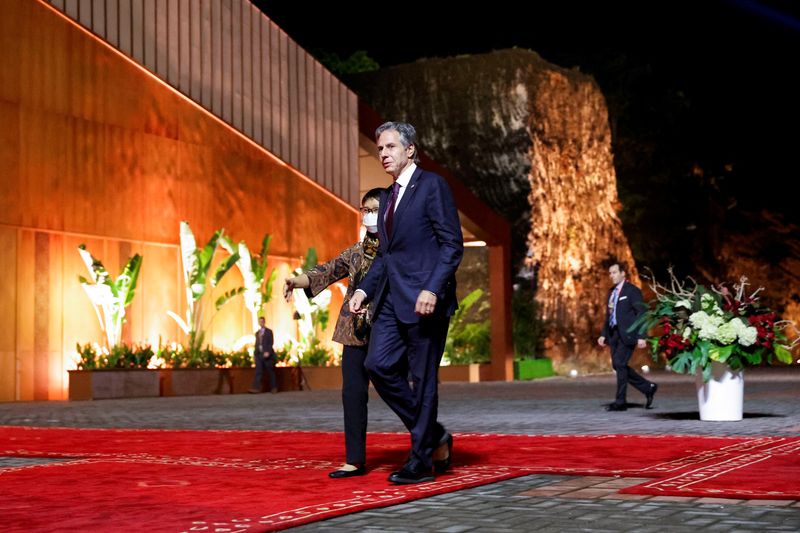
721,398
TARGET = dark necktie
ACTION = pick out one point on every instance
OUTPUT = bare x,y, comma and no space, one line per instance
613,306
390,208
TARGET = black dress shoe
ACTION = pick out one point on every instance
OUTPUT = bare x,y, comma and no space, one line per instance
406,476
649,396
616,407
443,465
338,474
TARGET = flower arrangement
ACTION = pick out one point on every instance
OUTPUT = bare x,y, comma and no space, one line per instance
695,326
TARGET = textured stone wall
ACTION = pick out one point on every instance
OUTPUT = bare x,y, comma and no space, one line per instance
532,140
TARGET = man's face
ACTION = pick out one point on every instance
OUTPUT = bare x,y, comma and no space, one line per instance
616,274
261,322
393,155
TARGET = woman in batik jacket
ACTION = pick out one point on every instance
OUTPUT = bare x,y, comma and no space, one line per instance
351,330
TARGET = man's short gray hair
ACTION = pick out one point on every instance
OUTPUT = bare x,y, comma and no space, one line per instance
407,132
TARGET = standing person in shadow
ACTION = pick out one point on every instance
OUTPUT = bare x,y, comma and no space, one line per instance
352,330
624,307
265,357
413,289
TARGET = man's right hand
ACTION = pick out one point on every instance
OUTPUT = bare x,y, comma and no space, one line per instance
356,301
601,341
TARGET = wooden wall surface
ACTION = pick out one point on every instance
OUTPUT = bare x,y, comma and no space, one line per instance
230,58
95,149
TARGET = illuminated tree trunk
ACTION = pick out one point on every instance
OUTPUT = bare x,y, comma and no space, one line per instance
532,140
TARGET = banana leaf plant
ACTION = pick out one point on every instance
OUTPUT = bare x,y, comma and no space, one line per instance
108,296
196,267
312,315
257,284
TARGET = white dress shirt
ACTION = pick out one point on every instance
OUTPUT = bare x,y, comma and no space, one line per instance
403,180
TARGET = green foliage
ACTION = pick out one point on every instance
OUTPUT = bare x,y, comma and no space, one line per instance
472,344
257,288
202,358
123,356
176,356
310,260
467,342
173,355
240,359
88,357
283,354
227,296
358,61
528,328
315,354
120,356
196,267
321,317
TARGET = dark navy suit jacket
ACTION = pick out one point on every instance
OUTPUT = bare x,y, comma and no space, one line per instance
629,307
423,251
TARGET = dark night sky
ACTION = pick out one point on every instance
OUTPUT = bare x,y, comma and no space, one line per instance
732,61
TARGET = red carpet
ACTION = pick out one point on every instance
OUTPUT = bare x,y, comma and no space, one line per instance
117,480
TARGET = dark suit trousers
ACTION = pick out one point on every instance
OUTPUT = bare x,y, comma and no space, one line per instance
620,357
395,350
355,395
261,363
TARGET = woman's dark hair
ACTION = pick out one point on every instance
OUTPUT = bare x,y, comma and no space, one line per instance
372,193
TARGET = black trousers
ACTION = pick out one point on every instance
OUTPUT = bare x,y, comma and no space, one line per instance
355,395
397,349
620,357
262,363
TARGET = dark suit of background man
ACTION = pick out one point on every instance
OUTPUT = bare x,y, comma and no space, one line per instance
265,357
413,286
624,307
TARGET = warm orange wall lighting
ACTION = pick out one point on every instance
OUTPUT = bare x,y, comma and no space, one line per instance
97,150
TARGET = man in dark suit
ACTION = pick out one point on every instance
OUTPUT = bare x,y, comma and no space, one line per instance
265,357
624,307
413,287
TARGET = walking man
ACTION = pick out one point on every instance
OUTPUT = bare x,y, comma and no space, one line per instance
413,289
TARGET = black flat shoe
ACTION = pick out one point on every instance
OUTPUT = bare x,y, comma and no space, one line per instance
616,407
339,474
405,476
649,396
443,465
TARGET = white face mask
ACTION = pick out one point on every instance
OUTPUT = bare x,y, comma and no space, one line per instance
370,220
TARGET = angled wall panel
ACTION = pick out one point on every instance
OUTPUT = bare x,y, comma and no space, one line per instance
94,149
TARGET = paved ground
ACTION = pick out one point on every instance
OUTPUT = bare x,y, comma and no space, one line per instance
551,406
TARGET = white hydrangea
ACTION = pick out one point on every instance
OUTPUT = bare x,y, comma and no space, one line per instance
706,324
683,303
687,332
747,334
726,333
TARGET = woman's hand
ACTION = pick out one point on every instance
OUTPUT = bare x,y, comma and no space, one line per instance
297,282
